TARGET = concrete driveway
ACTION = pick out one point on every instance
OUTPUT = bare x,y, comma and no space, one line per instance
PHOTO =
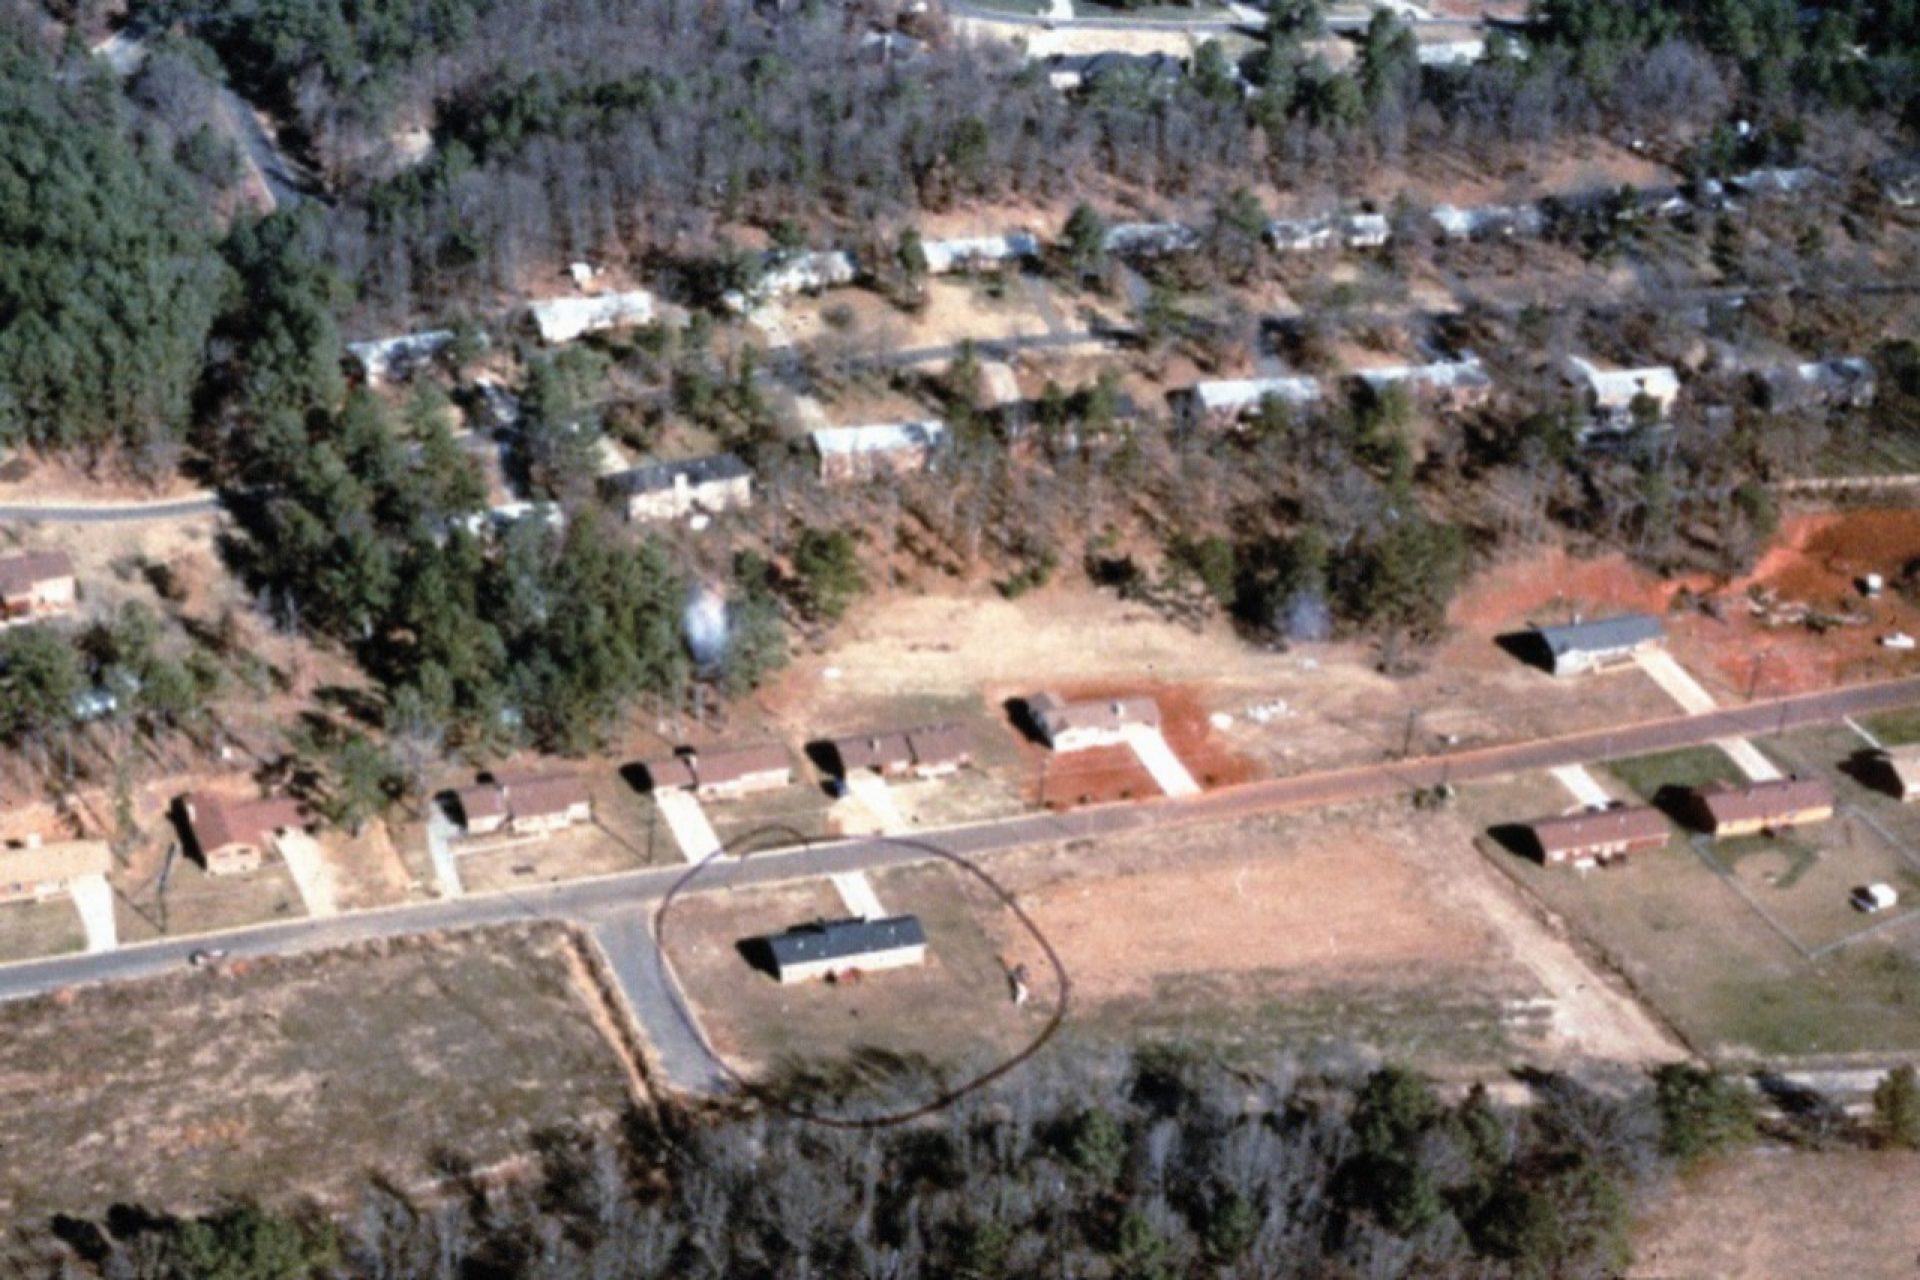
93,899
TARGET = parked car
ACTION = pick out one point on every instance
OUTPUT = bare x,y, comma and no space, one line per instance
1872,898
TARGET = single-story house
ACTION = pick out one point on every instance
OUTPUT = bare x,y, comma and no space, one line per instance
1074,726
887,754
1590,646
1614,396
561,320
1363,230
384,359
1450,384
526,804
939,750
1488,221
1897,771
1599,835
891,448
1300,235
834,948
36,584
1067,72
1723,809
1846,382
973,253
729,772
787,272
234,833
36,871
1774,182
674,490
1149,239
1224,402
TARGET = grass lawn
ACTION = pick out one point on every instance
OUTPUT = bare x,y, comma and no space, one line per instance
1895,728
1688,767
1707,960
29,930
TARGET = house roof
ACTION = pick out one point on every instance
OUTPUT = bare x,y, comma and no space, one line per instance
380,356
1617,388
1438,374
483,801
544,795
885,437
564,319
1149,237
58,860
1601,635
19,575
1245,393
1726,803
221,821
879,750
730,764
658,477
844,939
948,255
669,773
1110,713
1633,825
940,744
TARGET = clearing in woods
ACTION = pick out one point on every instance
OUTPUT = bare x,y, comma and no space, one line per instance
302,1073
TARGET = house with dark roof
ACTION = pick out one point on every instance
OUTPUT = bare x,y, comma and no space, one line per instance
939,750
726,773
885,753
674,490
837,948
1604,642
1724,810
1598,836
233,833
35,585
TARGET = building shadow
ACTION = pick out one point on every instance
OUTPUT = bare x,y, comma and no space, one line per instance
758,953
1517,839
1527,647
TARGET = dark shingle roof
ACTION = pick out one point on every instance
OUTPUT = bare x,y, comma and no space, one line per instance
1602,634
841,939
1636,824
1764,801
659,476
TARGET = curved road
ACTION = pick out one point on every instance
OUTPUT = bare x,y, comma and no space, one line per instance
606,898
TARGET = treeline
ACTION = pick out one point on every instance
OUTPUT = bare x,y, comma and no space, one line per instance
110,281
1162,1167
363,530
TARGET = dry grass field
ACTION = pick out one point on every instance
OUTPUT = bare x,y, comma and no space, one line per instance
952,1013
301,1074
1704,957
1772,1214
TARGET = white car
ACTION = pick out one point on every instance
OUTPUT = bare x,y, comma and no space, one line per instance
1872,898
1898,640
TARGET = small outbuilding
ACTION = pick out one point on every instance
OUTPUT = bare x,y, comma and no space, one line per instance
1580,647
1724,810
36,585
1599,836
836,948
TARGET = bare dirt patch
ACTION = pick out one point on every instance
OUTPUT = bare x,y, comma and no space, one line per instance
298,1074
1774,1213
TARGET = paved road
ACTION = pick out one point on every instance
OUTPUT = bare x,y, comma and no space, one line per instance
657,1002
109,512
591,900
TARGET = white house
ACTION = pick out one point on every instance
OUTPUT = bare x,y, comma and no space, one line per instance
561,320
1103,722
889,448
673,490
384,359
1612,394
971,253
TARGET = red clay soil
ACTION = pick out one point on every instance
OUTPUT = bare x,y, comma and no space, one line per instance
1552,586
1101,774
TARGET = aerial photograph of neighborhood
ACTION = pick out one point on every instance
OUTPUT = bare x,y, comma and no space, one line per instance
959,639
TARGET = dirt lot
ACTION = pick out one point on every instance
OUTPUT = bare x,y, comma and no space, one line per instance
910,659
1377,927
763,1027
1703,956
300,1074
1814,562
1783,1215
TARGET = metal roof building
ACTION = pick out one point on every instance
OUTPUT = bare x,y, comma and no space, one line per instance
833,947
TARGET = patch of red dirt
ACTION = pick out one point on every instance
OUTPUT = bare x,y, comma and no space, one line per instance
1552,586
1103,774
